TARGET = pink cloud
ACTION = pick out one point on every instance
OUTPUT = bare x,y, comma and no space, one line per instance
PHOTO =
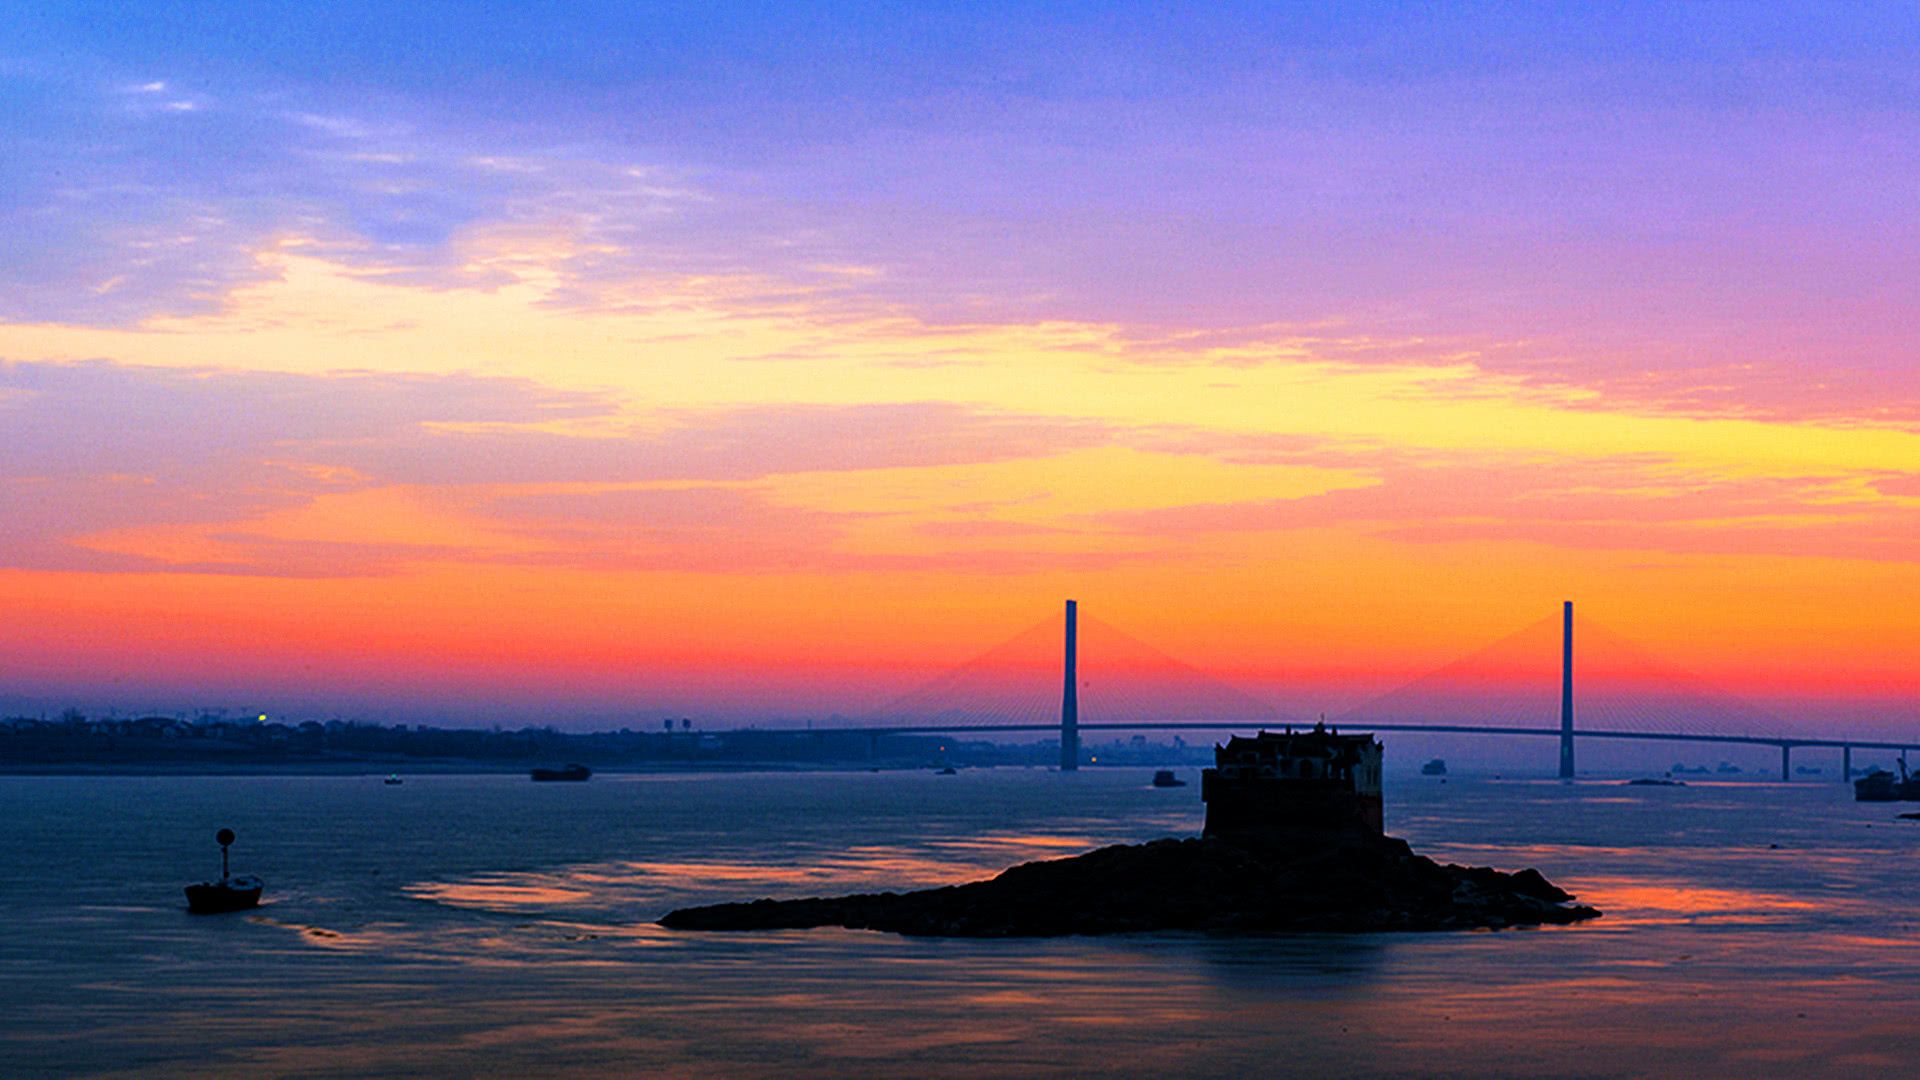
99,447
1904,485
1624,503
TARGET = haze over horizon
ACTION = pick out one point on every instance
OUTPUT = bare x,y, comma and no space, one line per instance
492,362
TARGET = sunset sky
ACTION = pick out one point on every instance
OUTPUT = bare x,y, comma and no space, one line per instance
576,362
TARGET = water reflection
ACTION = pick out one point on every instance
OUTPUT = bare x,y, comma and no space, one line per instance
1293,966
421,938
496,892
861,867
1644,902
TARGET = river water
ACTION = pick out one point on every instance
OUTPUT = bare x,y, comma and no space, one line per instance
460,925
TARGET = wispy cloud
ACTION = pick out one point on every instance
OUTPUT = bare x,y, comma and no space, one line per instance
1628,503
1661,248
188,464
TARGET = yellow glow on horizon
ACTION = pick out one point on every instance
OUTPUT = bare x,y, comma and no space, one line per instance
1276,418
689,350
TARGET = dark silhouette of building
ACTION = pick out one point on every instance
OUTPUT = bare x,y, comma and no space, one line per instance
1316,779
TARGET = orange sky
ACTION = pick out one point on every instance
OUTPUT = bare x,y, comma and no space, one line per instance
334,480
355,395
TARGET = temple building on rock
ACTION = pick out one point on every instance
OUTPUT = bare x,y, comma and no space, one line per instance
1318,779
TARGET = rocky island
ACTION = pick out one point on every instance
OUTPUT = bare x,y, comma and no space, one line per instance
1212,883
1293,842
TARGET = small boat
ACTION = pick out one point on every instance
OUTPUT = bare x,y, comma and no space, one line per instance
393,778
1165,778
1877,786
571,772
1908,789
948,771
1654,781
1436,767
229,893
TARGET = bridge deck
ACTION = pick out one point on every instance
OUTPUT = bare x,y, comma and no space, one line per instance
1784,741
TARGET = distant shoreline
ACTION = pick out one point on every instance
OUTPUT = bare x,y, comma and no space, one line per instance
210,746
406,770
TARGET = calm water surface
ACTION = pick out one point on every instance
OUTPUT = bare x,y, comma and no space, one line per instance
485,924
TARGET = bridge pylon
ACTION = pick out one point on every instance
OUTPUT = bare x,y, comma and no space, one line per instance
1566,691
1070,695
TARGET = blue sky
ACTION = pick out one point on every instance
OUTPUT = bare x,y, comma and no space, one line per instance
1436,165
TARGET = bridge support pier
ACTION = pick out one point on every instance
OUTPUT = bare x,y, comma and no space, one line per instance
1846,764
1786,763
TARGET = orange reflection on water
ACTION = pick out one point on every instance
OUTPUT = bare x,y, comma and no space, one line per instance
713,871
1645,901
651,883
1028,840
363,939
873,864
893,866
1869,941
498,891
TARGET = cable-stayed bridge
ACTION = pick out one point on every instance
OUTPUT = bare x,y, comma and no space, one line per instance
1073,674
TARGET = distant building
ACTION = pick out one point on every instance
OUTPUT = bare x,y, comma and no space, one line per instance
1316,779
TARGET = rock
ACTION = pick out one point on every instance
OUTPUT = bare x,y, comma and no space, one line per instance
1304,881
